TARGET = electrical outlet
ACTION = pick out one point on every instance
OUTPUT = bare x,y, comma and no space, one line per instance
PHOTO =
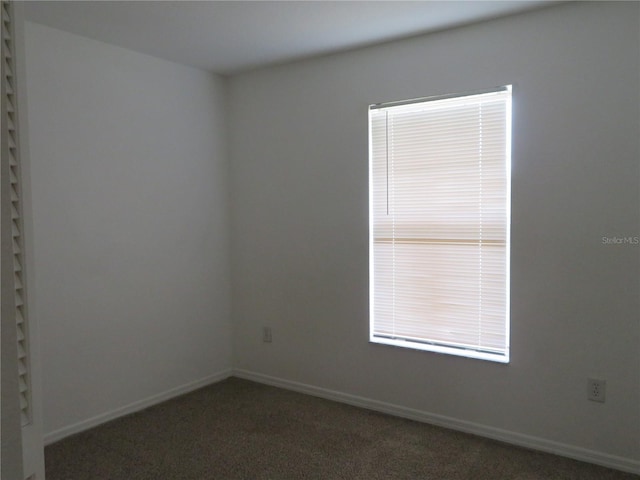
596,389
266,334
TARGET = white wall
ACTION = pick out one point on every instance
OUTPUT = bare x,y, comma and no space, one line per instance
129,188
299,224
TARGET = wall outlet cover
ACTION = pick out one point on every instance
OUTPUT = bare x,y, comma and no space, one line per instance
596,389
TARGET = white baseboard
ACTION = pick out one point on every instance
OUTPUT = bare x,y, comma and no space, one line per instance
514,438
61,433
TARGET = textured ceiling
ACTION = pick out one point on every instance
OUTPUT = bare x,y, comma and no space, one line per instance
227,37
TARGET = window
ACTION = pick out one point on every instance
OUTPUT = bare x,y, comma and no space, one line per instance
439,224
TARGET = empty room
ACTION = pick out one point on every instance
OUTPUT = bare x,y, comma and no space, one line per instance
321,240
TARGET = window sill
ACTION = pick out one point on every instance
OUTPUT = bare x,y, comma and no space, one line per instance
428,347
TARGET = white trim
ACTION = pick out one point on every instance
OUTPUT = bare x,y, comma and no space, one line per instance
514,438
61,433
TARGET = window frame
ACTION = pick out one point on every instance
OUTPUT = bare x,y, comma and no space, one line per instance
502,356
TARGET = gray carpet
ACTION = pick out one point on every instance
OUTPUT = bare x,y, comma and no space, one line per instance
238,429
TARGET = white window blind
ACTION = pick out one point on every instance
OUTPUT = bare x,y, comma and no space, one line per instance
439,243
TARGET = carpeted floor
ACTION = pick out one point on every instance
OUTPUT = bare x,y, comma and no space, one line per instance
238,429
